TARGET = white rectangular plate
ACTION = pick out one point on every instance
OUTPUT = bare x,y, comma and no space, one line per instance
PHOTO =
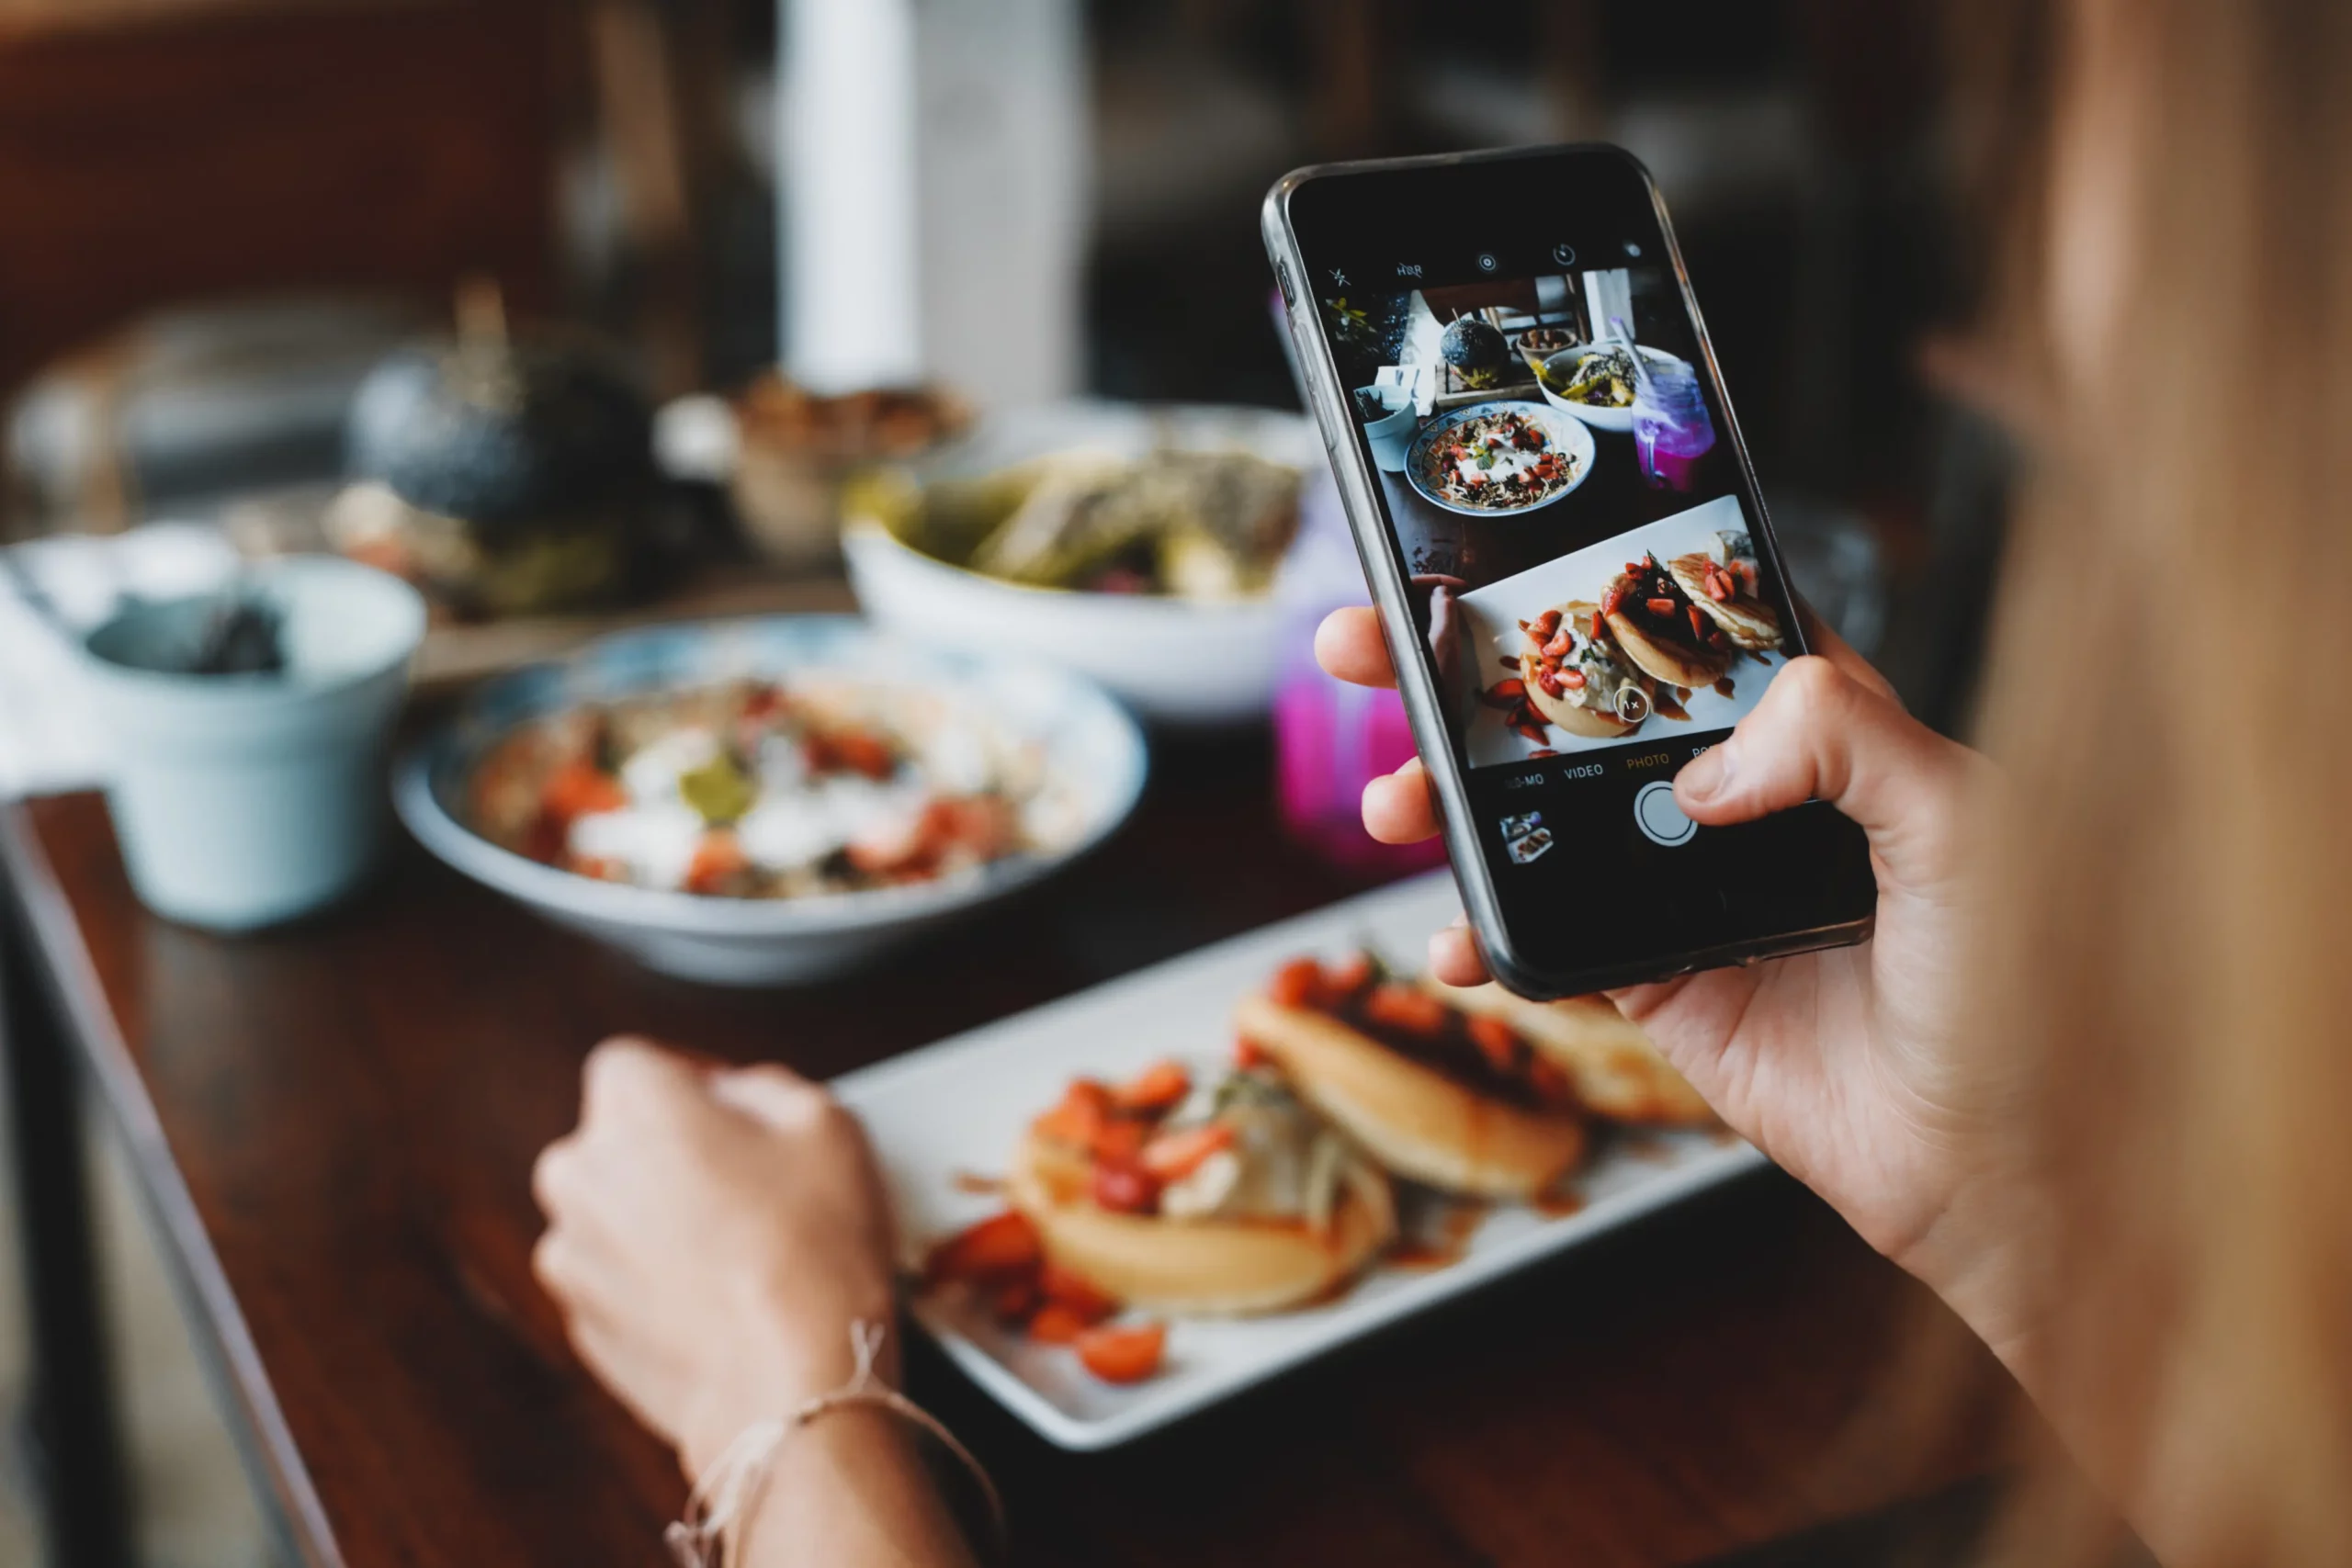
951,1111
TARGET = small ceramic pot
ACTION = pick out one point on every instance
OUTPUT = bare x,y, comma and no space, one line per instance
241,801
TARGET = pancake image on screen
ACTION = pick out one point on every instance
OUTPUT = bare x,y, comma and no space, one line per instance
1667,638
1577,678
1667,630
1723,580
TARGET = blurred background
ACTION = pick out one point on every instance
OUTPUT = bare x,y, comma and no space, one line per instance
817,234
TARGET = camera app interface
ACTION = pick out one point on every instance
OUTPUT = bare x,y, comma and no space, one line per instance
1550,456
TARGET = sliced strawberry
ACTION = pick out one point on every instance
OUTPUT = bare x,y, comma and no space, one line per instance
1055,1324
1001,1248
1396,1005
1124,1354
1119,1139
580,788
1296,984
1125,1189
1014,1300
1550,1082
1160,1086
718,858
1075,1294
1085,1107
1494,1041
1172,1156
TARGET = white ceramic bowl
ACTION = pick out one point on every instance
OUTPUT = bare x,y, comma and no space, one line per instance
1619,421
1094,768
1566,435
1176,662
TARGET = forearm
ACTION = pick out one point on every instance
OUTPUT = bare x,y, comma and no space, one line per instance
850,1490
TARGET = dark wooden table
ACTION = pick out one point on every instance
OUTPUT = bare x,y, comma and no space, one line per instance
333,1124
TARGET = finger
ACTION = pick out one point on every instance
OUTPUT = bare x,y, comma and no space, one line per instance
1350,648
1823,639
555,1175
1455,957
627,1073
1820,734
557,1265
1399,807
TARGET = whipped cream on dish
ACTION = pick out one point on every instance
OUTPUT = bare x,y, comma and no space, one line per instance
656,842
799,819
1508,461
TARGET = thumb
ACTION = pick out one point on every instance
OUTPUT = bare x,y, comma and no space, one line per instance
1820,734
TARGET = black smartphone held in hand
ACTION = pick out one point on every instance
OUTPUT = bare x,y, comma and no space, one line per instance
1571,560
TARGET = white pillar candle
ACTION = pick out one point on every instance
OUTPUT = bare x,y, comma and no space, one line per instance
853,301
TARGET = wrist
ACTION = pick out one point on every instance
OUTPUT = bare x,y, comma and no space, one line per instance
777,1358
1990,1256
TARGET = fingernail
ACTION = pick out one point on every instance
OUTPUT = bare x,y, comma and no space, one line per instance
1707,775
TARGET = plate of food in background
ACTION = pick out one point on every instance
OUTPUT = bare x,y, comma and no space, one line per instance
1135,545
771,799
1132,1204
1499,458
1596,383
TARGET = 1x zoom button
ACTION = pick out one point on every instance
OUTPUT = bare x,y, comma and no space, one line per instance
1660,821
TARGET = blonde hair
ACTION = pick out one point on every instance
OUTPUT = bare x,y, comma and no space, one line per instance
2170,974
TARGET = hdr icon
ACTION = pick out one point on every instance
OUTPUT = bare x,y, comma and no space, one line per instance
1409,269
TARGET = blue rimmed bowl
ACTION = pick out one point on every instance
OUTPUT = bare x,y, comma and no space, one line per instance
1092,756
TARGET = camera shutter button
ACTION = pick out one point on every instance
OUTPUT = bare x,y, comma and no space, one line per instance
1660,821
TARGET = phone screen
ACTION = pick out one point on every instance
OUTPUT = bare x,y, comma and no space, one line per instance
1587,563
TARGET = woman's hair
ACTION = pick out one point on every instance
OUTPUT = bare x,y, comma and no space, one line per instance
2167,975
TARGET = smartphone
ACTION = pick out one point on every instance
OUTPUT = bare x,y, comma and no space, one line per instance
1571,560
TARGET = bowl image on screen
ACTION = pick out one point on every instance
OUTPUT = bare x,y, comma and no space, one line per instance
1559,370
1562,434
1080,763
1178,659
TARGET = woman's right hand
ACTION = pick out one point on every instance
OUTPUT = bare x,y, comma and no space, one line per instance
1844,1067
713,1233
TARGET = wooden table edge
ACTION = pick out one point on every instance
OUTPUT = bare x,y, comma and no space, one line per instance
266,1444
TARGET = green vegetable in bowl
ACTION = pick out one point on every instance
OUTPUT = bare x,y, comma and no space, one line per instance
1602,381
720,791
1192,524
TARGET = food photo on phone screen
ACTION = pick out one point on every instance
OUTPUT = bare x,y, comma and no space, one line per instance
1546,452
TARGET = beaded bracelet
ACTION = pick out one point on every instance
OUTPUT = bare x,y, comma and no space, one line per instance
727,1495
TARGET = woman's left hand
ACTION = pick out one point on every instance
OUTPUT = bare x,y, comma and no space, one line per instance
712,1235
